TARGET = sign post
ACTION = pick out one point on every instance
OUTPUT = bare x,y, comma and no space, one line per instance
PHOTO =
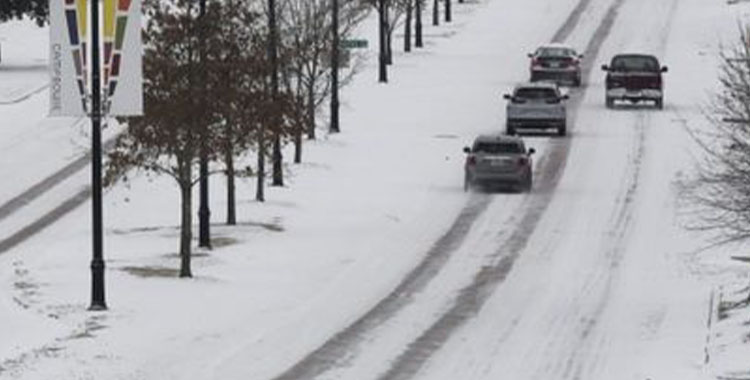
114,88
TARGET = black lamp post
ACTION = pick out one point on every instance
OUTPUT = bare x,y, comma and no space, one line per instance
204,212
97,262
277,174
383,69
335,69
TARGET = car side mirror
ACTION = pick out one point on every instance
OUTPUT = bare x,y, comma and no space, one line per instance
467,149
531,151
565,97
530,55
605,67
664,69
580,55
507,96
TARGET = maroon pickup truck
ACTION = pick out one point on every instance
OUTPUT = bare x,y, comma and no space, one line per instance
634,78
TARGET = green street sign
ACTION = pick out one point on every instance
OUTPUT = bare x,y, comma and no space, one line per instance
354,44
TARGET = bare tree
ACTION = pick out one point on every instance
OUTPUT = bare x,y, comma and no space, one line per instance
719,191
237,68
37,10
306,51
391,14
167,138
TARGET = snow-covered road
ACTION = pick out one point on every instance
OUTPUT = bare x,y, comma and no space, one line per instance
374,264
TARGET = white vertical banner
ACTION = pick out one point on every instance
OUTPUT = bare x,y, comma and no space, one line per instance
122,79
121,55
68,58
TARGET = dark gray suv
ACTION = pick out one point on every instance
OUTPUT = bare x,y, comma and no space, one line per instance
496,160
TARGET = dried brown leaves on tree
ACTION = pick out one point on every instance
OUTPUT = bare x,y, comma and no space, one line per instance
216,104
207,85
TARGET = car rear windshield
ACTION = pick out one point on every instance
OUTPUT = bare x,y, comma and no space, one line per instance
635,63
536,93
555,52
497,147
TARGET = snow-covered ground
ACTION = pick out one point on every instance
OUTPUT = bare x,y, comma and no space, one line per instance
373,240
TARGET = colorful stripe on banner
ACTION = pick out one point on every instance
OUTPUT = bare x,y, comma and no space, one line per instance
121,60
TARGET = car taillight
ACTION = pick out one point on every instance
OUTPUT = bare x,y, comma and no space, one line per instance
535,62
471,160
575,62
523,161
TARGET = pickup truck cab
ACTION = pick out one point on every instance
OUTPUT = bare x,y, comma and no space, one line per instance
634,78
538,105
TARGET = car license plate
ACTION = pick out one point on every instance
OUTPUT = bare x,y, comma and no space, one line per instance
500,162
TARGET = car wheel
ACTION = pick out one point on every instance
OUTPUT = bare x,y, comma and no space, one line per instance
562,130
609,102
528,182
467,183
659,103
577,82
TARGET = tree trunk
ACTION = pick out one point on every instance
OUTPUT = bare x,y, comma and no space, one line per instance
186,225
448,13
436,13
298,145
418,25
231,192
310,111
389,47
260,187
407,27
277,158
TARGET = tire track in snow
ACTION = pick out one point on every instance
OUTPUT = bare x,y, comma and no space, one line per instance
336,350
599,286
41,188
588,348
25,96
588,352
570,24
472,298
